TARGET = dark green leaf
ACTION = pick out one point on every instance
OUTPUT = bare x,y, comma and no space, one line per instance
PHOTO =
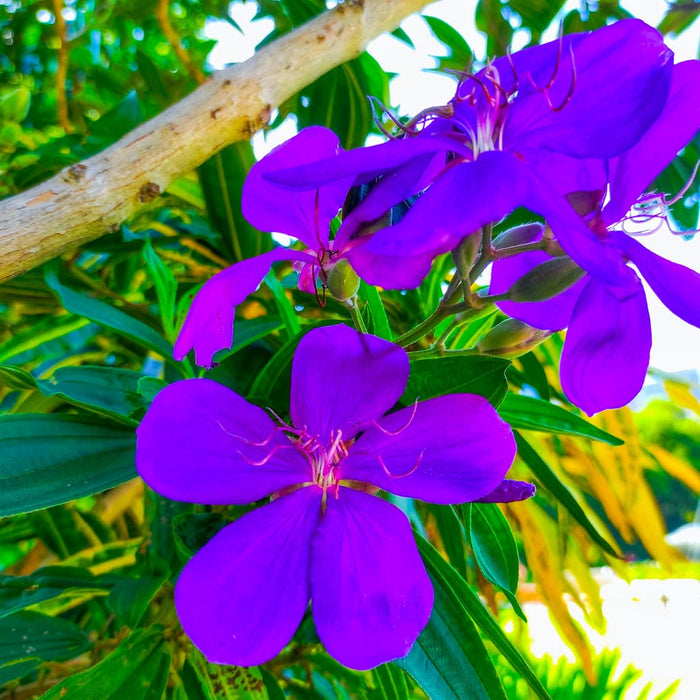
390,682
130,598
247,331
451,534
284,306
536,15
48,459
378,323
166,287
460,593
137,669
551,482
31,635
451,375
109,316
19,592
448,660
460,52
222,178
535,414
494,548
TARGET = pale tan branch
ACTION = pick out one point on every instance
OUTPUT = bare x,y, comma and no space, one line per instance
93,197
171,35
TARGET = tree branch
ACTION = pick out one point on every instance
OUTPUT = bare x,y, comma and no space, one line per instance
91,198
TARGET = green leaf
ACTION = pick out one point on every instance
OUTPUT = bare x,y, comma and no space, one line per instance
494,548
536,15
535,414
461,594
137,669
48,459
228,682
460,53
19,592
31,636
449,660
452,535
130,598
109,317
552,483
247,331
222,178
284,306
40,334
390,682
165,284
451,375
378,322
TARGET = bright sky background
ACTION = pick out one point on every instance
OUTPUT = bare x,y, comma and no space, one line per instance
676,344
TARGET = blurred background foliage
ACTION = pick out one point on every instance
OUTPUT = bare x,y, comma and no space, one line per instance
87,556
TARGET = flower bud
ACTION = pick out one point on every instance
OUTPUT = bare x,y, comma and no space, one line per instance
342,281
511,338
519,235
546,280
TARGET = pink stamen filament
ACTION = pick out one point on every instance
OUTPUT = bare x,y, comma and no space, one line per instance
400,476
400,430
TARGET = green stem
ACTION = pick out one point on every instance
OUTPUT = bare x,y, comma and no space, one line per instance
357,320
423,328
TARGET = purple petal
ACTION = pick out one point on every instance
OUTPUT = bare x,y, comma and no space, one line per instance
509,491
468,196
242,596
621,81
606,351
636,169
208,326
370,593
304,215
197,443
677,286
367,163
389,271
342,380
552,314
450,449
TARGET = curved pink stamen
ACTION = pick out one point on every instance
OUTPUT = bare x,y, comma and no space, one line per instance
400,430
400,476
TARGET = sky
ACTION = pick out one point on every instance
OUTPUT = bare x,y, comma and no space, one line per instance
676,344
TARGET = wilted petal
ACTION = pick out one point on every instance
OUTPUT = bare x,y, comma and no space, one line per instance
208,326
200,442
637,168
621,81
450,449
303,214
509,491
677,286
341,380
370,593
242,596
606,351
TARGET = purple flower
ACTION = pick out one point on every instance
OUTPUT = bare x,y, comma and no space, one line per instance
606,351
306,216
324,536
518,133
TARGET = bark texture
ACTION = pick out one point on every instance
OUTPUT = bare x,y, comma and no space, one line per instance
91,198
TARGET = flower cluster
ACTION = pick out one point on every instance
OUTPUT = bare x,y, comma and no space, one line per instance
574,131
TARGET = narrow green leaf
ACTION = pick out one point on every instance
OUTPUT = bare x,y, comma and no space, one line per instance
449,660
137,669
379,323
130,598
552,483
284,306
460,53
19,592
109,317
166,287
470,605
247,331
452,534
390,682
48,459
40,334
222,178
494,548
450,375
529,413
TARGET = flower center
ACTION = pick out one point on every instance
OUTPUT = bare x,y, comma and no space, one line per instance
324,459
